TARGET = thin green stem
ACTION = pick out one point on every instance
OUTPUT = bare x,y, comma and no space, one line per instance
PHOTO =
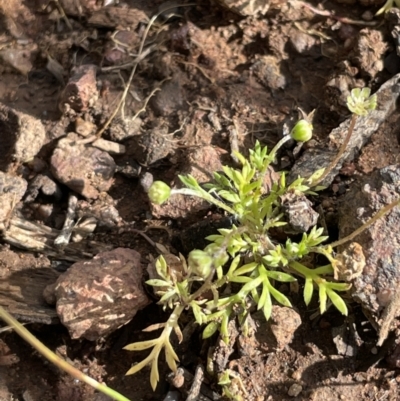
55,359
314,274
273,152
371,221
343,147
203,195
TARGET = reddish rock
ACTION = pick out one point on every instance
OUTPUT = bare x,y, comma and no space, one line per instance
22,136
284,323
96,297
81,90
84,169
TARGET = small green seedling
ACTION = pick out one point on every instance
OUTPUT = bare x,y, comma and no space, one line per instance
246,254
387,6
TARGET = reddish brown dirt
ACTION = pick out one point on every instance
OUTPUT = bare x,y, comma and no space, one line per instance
226,74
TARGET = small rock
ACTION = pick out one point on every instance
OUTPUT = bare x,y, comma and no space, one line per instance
367,15
119,54
5,394
346,339
84,169
294,390
129,168
12,189
298,212
169,99
284,323
350,262
152,146
44,184
146,180
110,147
267,70
370,51
96,297
121,130
20,59
22,136
84,128
81,92
302,42
102,209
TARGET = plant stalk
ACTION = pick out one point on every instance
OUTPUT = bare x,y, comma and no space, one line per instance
275,149
55,359
371,221
203,195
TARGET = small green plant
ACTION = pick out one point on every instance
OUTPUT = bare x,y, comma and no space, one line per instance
387,6
246,255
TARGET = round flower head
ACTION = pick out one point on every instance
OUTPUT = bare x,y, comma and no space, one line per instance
159,192
360,102
302,131
200,262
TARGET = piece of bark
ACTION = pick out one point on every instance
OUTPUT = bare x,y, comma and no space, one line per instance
34,237
22,280
12,189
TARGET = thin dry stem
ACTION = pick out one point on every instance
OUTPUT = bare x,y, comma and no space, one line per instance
63,15
371,221
128,84
199,68
152,93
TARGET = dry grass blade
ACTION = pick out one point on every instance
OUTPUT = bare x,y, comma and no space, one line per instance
132,74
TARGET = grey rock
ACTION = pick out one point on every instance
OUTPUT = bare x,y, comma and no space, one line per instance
380,279
12,189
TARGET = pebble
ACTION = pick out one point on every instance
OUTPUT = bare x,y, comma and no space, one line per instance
294,390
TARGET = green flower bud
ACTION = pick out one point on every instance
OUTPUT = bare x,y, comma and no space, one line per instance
220,257
159,192
200,263
302,131
360,102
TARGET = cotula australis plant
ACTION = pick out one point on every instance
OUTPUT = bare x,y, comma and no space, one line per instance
246,254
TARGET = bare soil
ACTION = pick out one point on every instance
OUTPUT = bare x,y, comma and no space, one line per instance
219,79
